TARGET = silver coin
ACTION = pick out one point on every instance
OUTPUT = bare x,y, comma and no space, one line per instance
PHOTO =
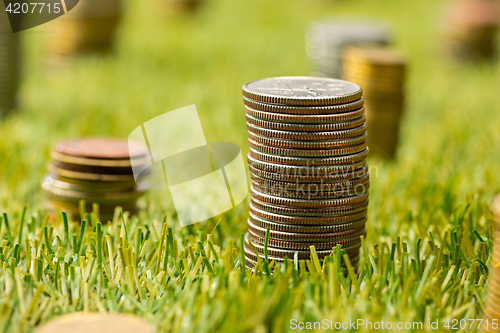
302,90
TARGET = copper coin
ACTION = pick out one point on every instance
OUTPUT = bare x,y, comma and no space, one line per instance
101,148
89,176
307,136
307,229
321,220
81,322
334,211
99,197
282,126
293,144
87,186
127,170
304,110
347,117
115,163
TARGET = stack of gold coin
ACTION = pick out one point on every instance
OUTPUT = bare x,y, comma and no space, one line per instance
90,26
325,41
307,163
492,311
470,28
96,171
9,64
381,73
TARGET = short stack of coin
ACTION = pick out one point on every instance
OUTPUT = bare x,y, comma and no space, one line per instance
307,163
325,42
470,28
380,72
9,64
492,311
96,171
90,26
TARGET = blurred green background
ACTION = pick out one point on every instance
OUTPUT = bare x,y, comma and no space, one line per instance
450,138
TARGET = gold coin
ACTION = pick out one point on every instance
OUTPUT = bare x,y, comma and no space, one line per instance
89,176
96,323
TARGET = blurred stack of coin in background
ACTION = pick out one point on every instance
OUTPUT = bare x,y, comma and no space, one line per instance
470,28
307,163
96,171
89,27
492,310
325,42
179,6
380,71
10,53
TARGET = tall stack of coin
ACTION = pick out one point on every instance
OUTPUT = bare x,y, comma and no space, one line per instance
492,311
90,26
470,28
96,171
308,167
380,72
325,42
9,64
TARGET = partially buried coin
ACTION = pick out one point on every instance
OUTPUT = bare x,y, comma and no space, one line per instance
96,323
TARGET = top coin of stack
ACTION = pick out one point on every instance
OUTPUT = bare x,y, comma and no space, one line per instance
325,42
492,310
9,64
90,26
471,27
381,73
308,167
95,170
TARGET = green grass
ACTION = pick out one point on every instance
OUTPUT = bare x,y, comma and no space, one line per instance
441,183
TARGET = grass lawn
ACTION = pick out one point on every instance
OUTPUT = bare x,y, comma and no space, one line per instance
429,229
